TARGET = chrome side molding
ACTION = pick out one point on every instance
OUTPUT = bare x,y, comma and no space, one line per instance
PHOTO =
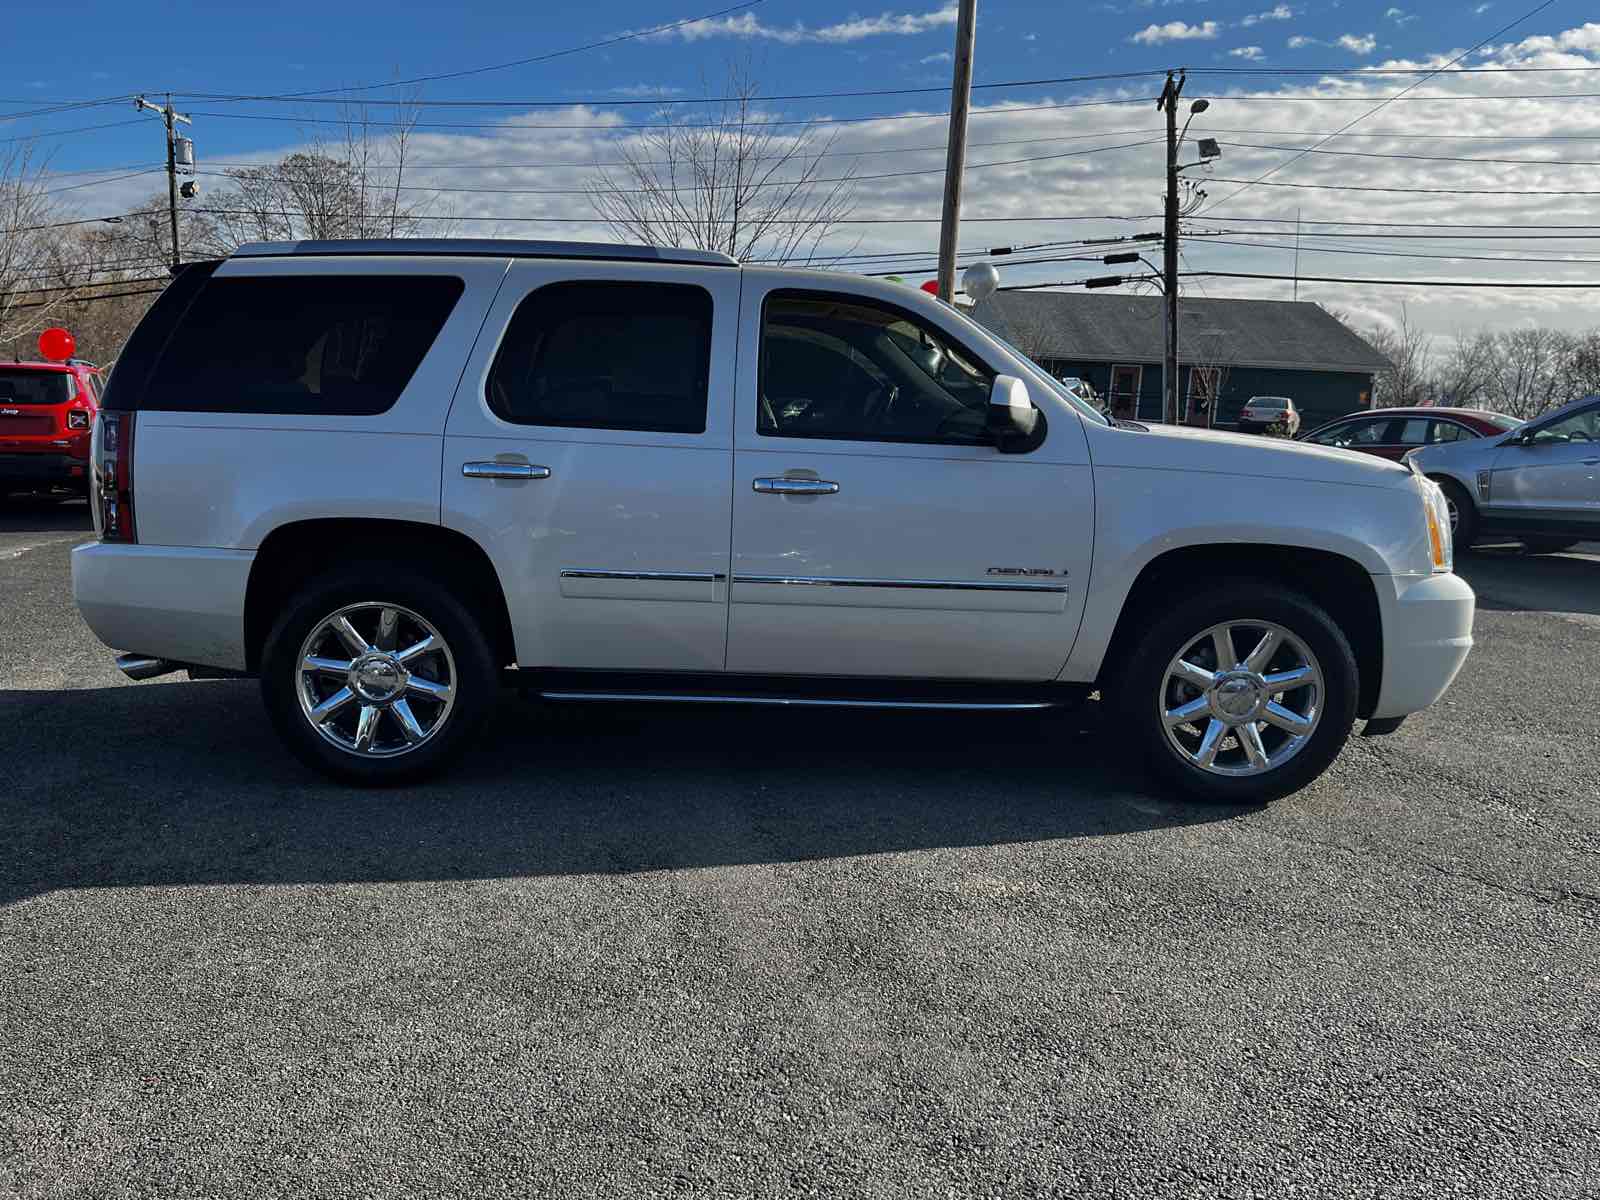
646,576
931,585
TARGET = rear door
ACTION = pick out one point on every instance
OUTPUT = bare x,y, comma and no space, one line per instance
588,451
876,529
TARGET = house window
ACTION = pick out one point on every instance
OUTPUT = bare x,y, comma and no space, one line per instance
1125,390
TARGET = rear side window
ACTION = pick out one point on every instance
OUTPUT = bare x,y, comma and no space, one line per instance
20,386
606,356
336,345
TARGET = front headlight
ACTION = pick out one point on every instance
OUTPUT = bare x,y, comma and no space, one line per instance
1436,513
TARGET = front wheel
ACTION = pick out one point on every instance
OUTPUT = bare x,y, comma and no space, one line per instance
376,674
1240,694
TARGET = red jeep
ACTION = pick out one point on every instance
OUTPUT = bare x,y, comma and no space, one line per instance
46,412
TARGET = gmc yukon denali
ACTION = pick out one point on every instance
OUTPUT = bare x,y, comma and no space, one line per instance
388,478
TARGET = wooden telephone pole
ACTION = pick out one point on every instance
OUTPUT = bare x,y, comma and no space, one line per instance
955,163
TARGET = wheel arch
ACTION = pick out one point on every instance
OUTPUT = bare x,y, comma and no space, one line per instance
295,552
1338,584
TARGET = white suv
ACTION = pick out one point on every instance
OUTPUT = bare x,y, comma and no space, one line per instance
389,478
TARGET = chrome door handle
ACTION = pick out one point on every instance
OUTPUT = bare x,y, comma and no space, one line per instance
783,485
504,470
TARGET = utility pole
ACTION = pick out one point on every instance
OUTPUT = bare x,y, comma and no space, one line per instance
170,116
955,162
1169,248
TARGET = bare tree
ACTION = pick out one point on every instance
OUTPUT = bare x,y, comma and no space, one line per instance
1527,371
30,258
727,179
1211,356
331,190
1406,380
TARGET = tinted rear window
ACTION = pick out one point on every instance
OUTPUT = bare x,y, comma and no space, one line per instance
19,386
606,356
339,345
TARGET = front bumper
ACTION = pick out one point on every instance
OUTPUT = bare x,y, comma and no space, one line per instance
180,604
1427,632
40,468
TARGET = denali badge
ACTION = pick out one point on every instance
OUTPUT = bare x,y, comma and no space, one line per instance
1021,571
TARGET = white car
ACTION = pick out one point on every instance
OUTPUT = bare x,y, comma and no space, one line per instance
390,477
1259,412
1538,483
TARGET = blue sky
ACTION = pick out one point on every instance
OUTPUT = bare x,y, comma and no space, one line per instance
1087,171
223,48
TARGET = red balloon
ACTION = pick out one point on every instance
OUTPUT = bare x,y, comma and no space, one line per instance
931,287
56,343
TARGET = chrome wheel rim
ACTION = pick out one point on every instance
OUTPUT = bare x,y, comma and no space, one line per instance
1241,698
376,680
1452,511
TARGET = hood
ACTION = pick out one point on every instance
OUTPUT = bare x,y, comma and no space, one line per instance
1180,448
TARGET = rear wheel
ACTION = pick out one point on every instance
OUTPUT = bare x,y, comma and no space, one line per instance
1463,513
1243,693
377,674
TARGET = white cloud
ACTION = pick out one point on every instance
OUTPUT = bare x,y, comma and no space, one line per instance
1030,37
1399,16
1281,13
1176,31
1481,9
942,57
1363,43
748,25
1298,41
1253,53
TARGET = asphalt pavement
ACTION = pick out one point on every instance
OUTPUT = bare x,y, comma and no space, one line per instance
649,951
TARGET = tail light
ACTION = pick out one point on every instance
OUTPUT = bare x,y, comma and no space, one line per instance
113,477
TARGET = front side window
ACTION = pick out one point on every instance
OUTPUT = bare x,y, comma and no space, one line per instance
1352,433
606,356
845,368
1581,426
326,345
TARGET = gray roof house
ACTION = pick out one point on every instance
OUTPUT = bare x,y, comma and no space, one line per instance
1228,351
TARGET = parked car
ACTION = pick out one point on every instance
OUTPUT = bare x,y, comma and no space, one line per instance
1538,483
1393,432
1262,412
387,477
46,412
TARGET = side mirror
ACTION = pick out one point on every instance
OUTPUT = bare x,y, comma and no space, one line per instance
1013,419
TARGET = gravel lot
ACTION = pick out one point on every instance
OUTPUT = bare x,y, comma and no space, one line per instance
647,951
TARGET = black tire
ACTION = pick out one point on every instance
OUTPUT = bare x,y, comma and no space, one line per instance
1548,545
1139,694
1466,526
476,680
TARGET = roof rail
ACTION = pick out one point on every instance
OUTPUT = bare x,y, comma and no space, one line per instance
485,248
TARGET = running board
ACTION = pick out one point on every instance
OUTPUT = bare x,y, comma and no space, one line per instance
801,701
794,691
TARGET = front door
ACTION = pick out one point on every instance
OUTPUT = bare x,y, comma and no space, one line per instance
876,529
1552,480
588,451
1125,391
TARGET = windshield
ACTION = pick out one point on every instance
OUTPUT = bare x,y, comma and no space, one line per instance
23,386
1039,373
1501,421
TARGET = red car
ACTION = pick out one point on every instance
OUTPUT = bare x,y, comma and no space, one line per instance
1390,432
46,412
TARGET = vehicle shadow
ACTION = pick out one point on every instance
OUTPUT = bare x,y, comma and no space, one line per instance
31,514
185,784
1508,579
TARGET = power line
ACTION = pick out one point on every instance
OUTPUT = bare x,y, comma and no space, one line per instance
89,299
1523,162
1374,253
1381,105
49,133
595,220
72,187
1451,283
659,101
1445,70
774,183
1437,191
74,287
